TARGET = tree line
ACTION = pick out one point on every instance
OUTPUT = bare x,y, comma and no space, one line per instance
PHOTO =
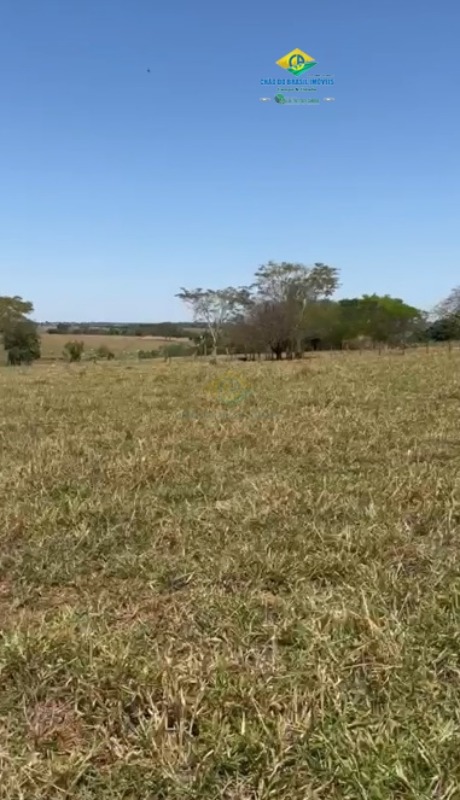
287,309
164,330
290,308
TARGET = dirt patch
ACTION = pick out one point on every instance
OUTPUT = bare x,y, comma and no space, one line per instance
53,724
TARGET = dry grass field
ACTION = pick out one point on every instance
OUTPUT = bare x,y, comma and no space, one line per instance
231,582
53,343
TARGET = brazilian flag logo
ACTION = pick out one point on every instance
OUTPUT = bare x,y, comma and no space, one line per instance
229,388
296,62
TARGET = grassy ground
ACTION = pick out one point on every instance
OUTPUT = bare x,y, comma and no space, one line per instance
231,585
53,343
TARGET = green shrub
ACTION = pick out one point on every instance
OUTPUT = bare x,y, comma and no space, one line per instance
21,342
176,350
73,351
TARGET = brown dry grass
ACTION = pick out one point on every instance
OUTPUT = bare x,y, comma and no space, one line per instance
53,343
236,582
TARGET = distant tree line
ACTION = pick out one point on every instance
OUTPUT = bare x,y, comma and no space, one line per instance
288,309
163,330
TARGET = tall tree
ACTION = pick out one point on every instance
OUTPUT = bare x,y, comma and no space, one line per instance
323,324
216,308
278,282
289,291
268,326
388,319
13,309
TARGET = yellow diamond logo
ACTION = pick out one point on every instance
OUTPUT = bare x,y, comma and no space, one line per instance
297,61
228,388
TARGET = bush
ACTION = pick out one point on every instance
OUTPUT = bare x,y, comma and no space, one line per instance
21,342
73,351
176,350
103,352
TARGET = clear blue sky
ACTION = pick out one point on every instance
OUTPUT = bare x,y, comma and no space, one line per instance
119,186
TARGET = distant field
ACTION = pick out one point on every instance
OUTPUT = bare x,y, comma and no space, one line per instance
53,343
231,582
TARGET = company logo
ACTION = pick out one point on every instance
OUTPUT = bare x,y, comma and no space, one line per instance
228,388
296,62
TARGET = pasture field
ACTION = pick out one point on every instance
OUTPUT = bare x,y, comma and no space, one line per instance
53,343
231,582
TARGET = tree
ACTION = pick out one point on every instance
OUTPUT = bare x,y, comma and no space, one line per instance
323,324
450,306
20,335
21,341
278,282
216,308
269,327
446,318
13,309
352,320
387,319
290,293
444,329
203,342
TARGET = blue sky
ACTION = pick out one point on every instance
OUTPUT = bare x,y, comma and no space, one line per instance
119,186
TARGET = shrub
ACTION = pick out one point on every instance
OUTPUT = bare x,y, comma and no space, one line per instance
21,342
73,351
104,352
176,350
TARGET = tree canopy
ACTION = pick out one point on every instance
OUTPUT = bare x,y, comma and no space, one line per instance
216,308
13,309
